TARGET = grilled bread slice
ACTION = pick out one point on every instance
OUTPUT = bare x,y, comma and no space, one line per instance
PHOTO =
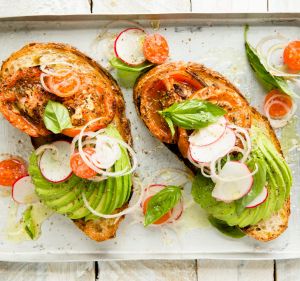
23,100
173,82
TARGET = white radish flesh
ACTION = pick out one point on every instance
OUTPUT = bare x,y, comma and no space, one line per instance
23,191
208,153
240,185
55,166
129,46
261,198
209,134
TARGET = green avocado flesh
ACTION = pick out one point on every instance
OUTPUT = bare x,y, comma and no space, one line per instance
66,197
273,172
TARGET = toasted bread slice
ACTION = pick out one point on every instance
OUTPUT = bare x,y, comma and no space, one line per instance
31,56
213,87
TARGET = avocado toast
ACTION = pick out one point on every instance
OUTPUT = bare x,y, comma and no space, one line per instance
242,179
54,90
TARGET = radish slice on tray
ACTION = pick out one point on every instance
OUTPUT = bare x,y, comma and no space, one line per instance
209,134
237,182
23,191
173,215
128,46
261,198
55,164
217,149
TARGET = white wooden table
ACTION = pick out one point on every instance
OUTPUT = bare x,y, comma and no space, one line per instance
192,270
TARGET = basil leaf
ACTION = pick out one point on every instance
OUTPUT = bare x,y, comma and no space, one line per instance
191,114
56,117
161,203
269,81
223,227
259,181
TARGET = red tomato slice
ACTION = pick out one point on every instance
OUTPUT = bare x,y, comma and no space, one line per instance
291,55
63,86
11,170
156,49
277,110
161,220
78,166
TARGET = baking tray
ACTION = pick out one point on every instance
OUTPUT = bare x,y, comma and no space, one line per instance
215,40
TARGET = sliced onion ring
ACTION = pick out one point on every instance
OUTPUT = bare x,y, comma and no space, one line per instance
43,68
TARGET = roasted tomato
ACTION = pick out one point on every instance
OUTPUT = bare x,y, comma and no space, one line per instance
161,91
23,100
12,169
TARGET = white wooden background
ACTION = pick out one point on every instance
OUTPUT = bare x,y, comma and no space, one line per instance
193,270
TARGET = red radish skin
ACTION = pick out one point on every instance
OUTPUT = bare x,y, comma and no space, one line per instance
220,127
260,199
43,166
208,153
117,46
23,191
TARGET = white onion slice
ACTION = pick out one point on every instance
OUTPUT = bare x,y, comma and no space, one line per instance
87,158
122,213
42,76
248,143
43,68
279,123
44,147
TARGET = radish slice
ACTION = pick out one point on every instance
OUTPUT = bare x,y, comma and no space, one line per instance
55,166
176,212
209,134
129,46
23,191
151,190
240,185
208,153
261,198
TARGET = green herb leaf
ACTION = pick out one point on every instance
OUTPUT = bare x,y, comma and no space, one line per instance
191,114
161,203
269,81
127,74
231,231
29,225
259,181
56,117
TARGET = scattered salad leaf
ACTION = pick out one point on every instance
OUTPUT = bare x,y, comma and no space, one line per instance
191,114
270,81
127,74
259,181
29,225
231,231
56,117
161,203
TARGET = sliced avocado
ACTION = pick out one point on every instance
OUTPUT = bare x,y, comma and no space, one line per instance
95,190
119,187
129,184
109,193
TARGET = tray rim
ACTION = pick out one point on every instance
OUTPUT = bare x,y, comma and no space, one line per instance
189,18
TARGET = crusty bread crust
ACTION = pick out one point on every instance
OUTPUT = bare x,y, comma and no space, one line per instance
30,55
264,230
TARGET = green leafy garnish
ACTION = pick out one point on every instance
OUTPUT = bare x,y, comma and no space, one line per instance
270,81
28,222
191,114
231,231
127,74
161,203
259,181
56,117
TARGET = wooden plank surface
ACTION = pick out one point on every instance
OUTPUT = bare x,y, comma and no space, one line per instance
284,6
76,271
148,6
43,7
148,271
215,270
